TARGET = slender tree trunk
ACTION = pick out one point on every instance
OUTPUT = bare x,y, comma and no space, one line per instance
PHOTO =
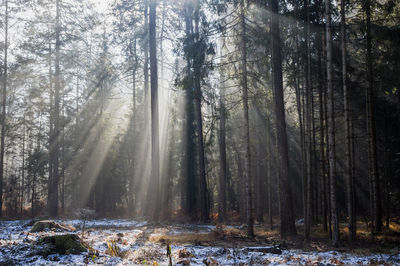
75,183
63,162
199,124
189,182
200,152
347,170
287,227
353,173
388,172
33,200
376,191
3,113
331,126
222,152
259,188
315,184
299,107
247,175
269,173
23,170
131,196
307,188
134,70
155,153
241,186
325,101
146,52
147,102
321,83
53,211
51,131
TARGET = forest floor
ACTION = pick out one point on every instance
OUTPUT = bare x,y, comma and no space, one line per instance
129,242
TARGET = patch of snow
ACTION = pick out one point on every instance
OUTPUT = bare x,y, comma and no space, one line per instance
17,246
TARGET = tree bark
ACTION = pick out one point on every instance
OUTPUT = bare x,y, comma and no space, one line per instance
204,215
331,127
155,155
373,161
287,227
322,136
247,174
259,186
189,181
307,188
146,52
346,98
269,173
23,170
222,151
3,113
53,208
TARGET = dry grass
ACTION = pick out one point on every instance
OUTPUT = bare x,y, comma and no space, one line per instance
221,234
182,238
387,242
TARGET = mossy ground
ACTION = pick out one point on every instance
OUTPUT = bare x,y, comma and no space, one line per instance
62,244
45,225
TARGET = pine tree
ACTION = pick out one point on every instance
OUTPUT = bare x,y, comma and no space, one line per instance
287,227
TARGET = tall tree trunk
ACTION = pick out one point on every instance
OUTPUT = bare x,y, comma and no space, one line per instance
3,113
269,173
315,183
241,185
33,199
327,149
331,127
199,123
307,188
388,172
134,70
247,170
287,227
376,191
131,190
321,82
353,173
146,53
23,170
259,186
346,98
300,106
51,130
155,156
53,211
222,151
200,152
189,182
63,161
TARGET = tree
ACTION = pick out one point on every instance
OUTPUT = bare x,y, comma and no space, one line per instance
348,166
3,113
155,153
247,174
331,126
189,182
222,148
287,227
372,150
308,94
198,61
53,208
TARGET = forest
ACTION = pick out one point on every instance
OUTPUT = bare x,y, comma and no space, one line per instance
212,132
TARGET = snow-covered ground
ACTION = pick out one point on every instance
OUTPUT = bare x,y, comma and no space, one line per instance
17,246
